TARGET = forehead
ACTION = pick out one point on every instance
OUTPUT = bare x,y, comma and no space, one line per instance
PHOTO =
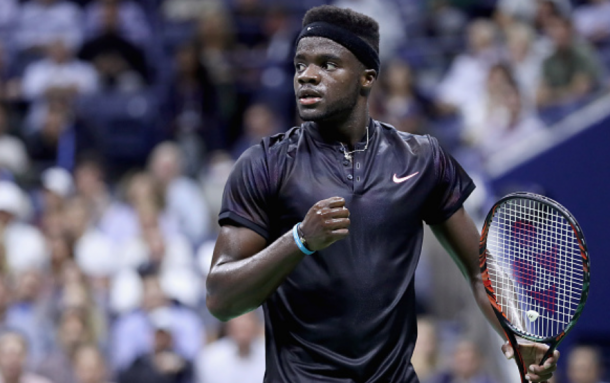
319,46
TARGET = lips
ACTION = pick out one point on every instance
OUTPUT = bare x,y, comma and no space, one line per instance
309,96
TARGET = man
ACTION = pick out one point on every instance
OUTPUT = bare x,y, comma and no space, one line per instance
13,356
237,357
345,312
585,365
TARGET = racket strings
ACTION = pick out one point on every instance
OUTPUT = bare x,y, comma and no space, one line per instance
535,266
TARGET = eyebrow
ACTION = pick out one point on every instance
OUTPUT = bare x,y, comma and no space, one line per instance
321,57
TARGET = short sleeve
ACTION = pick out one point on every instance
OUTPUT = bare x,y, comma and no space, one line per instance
452,187
245,200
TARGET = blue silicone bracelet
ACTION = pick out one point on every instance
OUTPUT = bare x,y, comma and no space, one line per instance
297,240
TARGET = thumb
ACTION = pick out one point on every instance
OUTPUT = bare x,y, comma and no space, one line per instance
508,351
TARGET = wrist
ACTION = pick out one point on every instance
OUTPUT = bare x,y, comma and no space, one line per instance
300,240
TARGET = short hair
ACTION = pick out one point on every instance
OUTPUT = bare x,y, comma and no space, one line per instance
361,25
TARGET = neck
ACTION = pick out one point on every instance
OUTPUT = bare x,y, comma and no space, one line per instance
348,130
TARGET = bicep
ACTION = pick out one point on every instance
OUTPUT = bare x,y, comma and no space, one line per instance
236,243
460,237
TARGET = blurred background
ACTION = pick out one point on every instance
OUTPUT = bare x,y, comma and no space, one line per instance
120,121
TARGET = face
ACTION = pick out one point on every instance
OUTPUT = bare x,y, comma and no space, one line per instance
243,329
89,365
328,80
13,354
560,32
466,360
583,366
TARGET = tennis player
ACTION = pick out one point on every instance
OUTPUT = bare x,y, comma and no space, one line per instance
322,225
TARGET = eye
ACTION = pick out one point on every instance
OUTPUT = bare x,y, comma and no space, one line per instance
330,66
299,67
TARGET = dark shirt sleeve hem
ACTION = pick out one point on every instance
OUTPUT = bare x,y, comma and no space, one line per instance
230,218
455,207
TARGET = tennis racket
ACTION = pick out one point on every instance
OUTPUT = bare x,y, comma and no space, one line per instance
535,267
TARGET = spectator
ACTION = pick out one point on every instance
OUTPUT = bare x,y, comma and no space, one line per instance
8,13
467,366
29,313
592,21
183,196
184,11
41,22
215,41
239,357
52,143
464,84
152,247
571,72
133,333
163,364
93,251
585,365
425,354
192,101
120,63
398,100
524,59
259,122
89,179
57,187
131,24
503,118
73,332
13,156
249,17
89,365
120,221
13,356
59,74
23,244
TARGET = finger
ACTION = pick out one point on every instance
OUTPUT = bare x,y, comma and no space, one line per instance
339,223
538,377
335,202
508,351
340,233
542,370
338,212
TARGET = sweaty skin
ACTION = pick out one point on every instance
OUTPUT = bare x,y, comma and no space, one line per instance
332,87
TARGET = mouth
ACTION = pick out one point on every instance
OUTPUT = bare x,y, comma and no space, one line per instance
309,97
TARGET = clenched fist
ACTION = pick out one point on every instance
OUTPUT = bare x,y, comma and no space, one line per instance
325,223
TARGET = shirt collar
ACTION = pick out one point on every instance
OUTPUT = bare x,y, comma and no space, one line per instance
313,130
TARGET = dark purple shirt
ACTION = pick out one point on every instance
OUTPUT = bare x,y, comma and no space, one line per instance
345,313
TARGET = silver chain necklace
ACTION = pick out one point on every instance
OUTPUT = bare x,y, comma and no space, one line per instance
348,155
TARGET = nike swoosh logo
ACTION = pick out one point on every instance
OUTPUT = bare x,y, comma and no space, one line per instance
403,179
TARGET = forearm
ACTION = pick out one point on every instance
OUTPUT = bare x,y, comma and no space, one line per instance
460,237
480,295
236,287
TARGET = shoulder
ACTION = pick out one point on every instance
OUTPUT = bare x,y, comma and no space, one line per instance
415,143
273,147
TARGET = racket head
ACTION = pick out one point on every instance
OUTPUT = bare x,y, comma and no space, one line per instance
531,248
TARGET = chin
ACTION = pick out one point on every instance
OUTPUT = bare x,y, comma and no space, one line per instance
311,115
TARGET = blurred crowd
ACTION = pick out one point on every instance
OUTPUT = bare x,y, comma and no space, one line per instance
120,121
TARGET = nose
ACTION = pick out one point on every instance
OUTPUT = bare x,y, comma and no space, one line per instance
309,75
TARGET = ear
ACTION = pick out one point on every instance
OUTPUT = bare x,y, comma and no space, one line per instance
369,76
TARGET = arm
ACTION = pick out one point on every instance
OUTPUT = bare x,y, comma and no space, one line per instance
460,237
244,272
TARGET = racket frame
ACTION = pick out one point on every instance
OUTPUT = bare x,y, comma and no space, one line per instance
509,329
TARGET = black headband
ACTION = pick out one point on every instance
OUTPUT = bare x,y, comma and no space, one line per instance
361,49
